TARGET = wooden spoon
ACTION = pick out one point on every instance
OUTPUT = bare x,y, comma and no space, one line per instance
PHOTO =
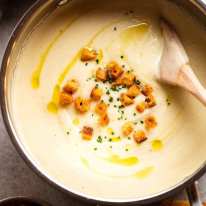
175,67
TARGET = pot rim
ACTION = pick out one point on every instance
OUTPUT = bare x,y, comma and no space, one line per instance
29,199
200,4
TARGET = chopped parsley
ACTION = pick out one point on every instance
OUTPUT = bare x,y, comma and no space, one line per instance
97,61
111,99
95,149
137,82
126,149
122,57
142,122
68,132
108,92
99,139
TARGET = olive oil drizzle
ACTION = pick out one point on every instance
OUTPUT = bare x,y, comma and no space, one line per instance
132,33
145,172
35,81
129,161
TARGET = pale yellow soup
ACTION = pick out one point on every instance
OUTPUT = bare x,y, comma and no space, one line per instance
115,168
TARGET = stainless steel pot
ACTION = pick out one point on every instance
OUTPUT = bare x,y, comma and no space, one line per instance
40,9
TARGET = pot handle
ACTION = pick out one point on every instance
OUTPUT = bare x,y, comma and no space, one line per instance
193,195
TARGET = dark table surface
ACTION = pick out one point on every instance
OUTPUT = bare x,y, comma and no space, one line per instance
16,178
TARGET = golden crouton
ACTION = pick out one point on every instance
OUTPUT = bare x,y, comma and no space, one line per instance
150,122
139,136
101,108
101,74
147,90
127,79
96,94
87,133
150,101
71,86
114,70
82,105
125,100
127,128
141,107
133,91
65,99
104,120
88,54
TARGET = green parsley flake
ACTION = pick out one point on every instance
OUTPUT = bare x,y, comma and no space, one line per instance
110,99
99,139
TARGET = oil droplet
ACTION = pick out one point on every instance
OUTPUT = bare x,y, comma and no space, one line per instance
51,107
129,161
157,145
144,172
116,139
76,121
133,33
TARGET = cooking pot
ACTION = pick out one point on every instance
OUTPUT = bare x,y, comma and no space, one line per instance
31,18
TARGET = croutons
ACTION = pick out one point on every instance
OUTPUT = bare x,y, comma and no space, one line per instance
150,101
101,74
104,120
65,99
141,107
101,108
127,128
87,133
150,122
139,136
147,90
96,94
127,79
82,105
133,91
125,100
88,54
71,86
114,70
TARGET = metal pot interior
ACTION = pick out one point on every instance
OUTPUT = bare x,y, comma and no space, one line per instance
48,25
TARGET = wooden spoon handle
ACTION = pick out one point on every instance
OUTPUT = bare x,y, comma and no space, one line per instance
188,80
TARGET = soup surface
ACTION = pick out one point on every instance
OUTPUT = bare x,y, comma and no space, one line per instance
134,149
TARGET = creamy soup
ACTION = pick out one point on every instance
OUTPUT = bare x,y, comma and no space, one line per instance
109,165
